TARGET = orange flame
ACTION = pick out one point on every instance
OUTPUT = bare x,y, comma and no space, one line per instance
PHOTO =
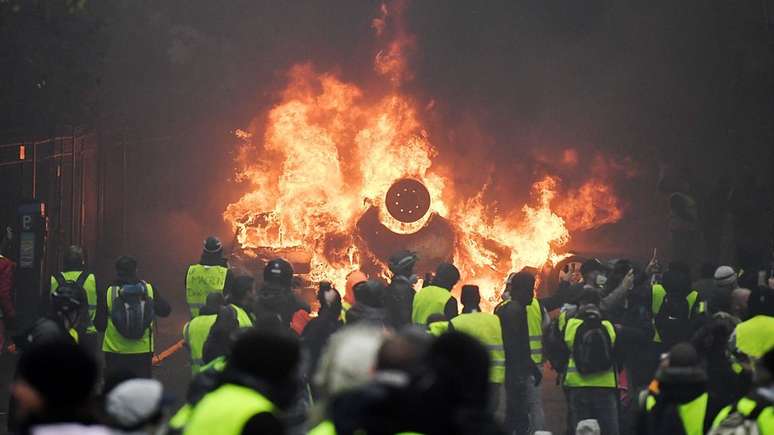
324,154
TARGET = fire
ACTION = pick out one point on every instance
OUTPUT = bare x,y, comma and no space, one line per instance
325,154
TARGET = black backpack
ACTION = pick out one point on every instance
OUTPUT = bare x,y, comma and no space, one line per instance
673,321
69,286
593,348
132,310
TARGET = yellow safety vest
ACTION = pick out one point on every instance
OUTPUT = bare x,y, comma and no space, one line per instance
658,294
755,337
226,410
195,334
428,301
200,281
535,327
114,342
244,319
573,378
692,414
746,406
90,285
327,427
486,328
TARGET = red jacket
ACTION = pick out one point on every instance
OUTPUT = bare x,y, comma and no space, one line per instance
6,288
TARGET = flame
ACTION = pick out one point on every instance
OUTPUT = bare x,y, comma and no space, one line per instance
324,154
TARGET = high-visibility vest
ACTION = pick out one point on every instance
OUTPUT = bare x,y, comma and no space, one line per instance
226,410
326,427
573,378
195,333
90,285
114,342
181,417
535,329
243,318
746,406
692,414
486,328
755,337
428,301
658,294
534,313
200,281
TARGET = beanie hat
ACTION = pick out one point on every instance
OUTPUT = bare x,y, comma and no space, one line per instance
725,276
446,275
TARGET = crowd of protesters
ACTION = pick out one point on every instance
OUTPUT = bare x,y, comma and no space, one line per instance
648,349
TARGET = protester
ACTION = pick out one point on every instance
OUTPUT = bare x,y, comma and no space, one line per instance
725,283
275,297
354,278
138,407
437,297
319,330
211,274
75,274
523,320
254,389
399,297
54,390
752,338
241,299
677,310
678,402
756,409
196,330
66,309
126,313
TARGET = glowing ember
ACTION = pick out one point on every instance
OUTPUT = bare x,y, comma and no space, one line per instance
324,155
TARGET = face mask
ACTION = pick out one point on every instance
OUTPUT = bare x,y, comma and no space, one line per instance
601,280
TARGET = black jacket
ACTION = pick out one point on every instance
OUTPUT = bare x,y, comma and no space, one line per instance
399,302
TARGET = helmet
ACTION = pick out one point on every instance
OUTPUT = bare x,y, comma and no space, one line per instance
68,299
279,272
212,245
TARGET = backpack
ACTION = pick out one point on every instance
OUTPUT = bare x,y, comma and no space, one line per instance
69,286
593,348
737,423
673,321
132,310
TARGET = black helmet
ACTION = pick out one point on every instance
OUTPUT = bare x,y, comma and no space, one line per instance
403,261
68,299
212,245
279,272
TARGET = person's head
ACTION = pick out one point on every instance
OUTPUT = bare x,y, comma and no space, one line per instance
446,276
593,272
470,296
242,291
354,278
212,247
522,287
126,268
219,340
725,277
370,293
137,405
348,359
740,298
712,338
74,259
279,370
682,367
676,282
55,381
279,273
402,263
212,304
403,352
68,304
460,365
